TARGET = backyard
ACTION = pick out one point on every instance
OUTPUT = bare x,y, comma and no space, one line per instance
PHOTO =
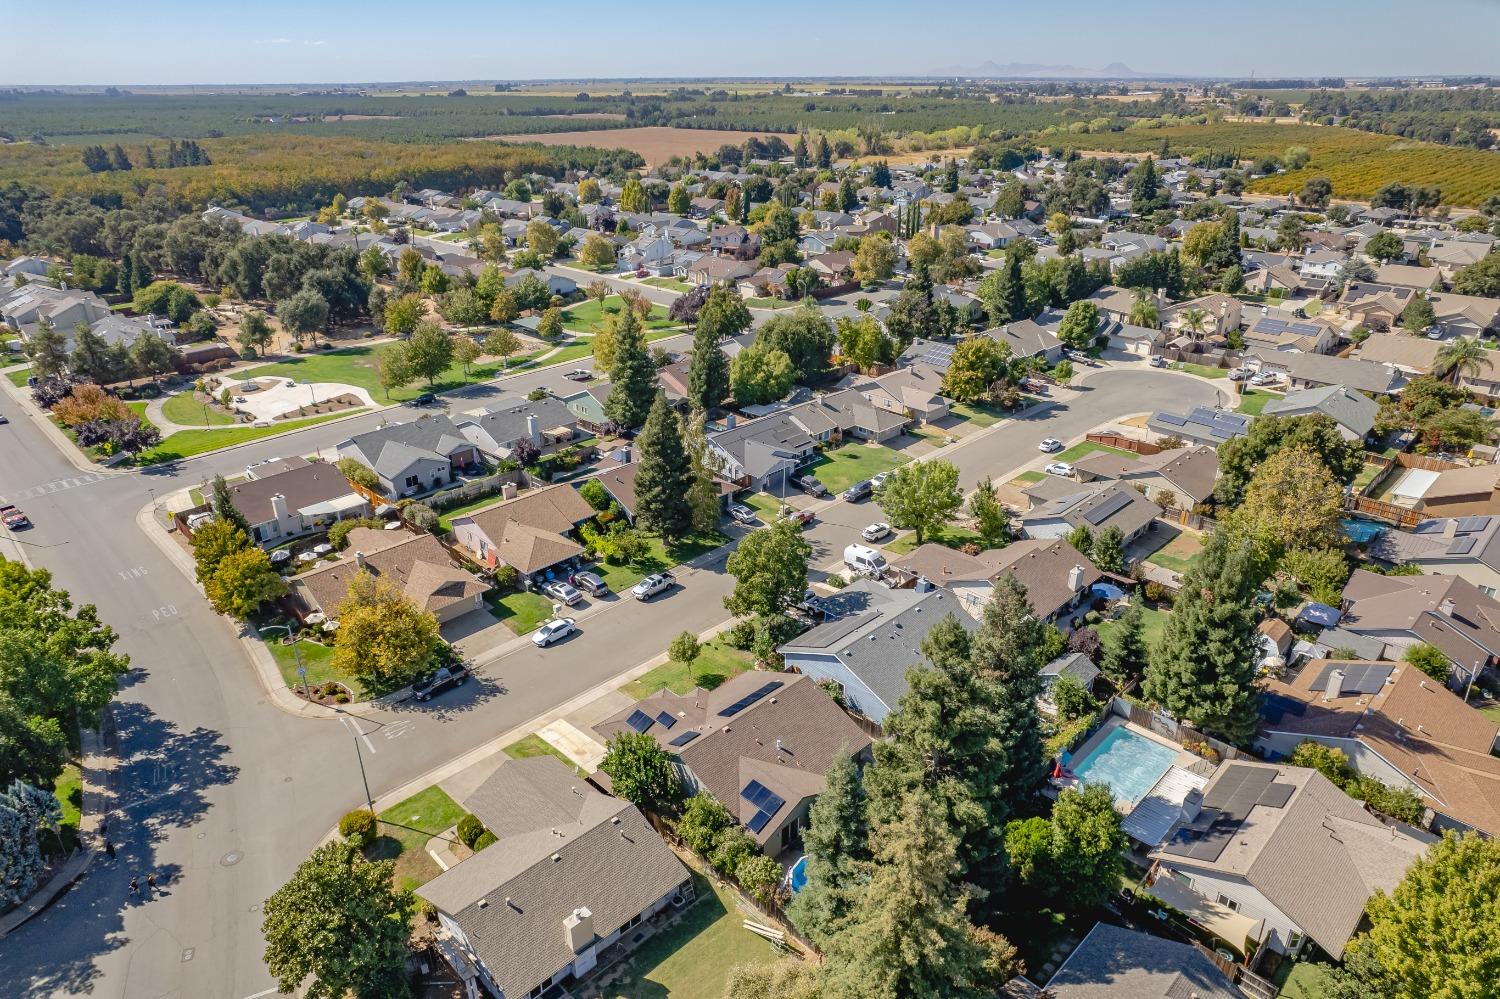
717,661
1179,554
853,461
404,830
1155,622
589,316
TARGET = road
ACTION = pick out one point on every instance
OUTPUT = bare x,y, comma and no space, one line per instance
222,792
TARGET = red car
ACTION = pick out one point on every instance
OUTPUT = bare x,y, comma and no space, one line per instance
803,517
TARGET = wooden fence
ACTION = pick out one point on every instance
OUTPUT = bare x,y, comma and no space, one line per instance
1168,727
1125,443
1388,513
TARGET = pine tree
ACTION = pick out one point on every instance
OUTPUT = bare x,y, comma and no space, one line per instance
665,475
837,840
708,373
703,494
1008,650
1125,648
224,507
825,154
632,375
1203,670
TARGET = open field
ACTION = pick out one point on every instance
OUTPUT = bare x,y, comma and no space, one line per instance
656,143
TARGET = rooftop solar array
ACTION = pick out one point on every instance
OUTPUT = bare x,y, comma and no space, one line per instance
766,802
1472,525
639,720
1274,707
1276,795
685,738
1358,678
1282,326
1462,546
750,698
666,718
1171,419
1227,804
1112,505
939,355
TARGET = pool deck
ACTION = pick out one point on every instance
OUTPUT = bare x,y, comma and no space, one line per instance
1183,759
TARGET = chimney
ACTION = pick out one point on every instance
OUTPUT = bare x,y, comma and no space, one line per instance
278,507
1450,528
1075,578
729,421
1446,606
1335,685
359,560
508,490
578,930
533,428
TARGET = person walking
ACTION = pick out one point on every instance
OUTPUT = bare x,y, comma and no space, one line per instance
135,886
151,883
109,848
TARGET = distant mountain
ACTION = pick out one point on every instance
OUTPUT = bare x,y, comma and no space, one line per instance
1029,70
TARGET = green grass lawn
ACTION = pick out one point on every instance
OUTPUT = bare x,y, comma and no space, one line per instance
69,790
767,506
404,830
658,558
19,376
359,366
535,745
839,468
672,284
186,443
1367,474
1202,370
316,657
1086,448
769,303
183,408
1179,554
445,519
1304,980
521,612
717,661
692,958
1252,401
953,537
978,413
1492,712
1155,620
1030,478
589,316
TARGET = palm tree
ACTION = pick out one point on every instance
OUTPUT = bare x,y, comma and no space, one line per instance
1143,310
1464,356
1195,321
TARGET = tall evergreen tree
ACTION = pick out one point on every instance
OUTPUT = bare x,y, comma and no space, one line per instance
837,841
632,375
825,154
708,373
665,475
913,313
1203,670
224,507
1125,650
1008,651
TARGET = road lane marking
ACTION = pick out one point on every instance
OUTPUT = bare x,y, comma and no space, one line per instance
354,727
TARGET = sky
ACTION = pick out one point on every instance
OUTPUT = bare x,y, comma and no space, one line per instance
81,42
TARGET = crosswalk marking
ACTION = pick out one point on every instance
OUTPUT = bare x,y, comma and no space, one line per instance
56,486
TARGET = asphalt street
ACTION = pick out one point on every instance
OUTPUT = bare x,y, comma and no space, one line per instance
222,794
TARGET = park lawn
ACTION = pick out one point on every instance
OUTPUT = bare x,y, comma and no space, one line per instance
1252,401
571,352
980,414
717,661
589,316
839,468
184,409
360,367
316,657
1085,448
658,558
952,537
18,377
1155,622
692,958
671,284
186,443
534,745
405,828
521,611
1201,370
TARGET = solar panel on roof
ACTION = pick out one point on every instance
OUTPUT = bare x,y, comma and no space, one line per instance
1171,419
1468,525
1112,505
758,821
685,738
754,792
751,698
1271,325
1276,795
1358,678
639,720
667,719
1462,546
1306,329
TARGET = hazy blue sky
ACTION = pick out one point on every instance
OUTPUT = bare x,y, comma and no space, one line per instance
331,41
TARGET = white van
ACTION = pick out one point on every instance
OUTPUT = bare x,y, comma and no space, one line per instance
863,559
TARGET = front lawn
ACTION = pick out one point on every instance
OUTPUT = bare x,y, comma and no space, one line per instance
18,377
1201,370
1030,478
671,284
185,409
1086,448
692,958
853,461
953,537
405,828
589,316
658,558
186,443
534,745
981,414
1252,401
316,658
764,504
520,611
717,661
768,303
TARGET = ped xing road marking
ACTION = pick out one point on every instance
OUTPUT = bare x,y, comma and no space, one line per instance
353,726
134,572
58,485
162,613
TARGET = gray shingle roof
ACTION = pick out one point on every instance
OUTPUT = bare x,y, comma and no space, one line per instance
1350,409
431,436
1115,963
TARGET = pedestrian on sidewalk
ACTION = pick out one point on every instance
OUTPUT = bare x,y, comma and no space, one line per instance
109,848
151,883
135,886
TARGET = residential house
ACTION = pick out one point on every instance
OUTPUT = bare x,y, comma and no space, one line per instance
1075,665
1409,276
1463,490
298,498
835,267
1058,577
1030,338
1377,306
531,533
413,458
1221,314
1322,263
1448,612
1320,370
1397,725
1282,278
733,240
416,563
762,454
1178,478
872,637
1354,412
1308,336
587,409
1450,256
1116,303
814,243
1284,845
1096,506
1466,547
1464,315
760,743
719,270
991,235
496,429
1200,425
1413,355
32,267
914,391
1115,963
571,871
25,308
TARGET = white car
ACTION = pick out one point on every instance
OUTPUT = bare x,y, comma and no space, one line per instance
1265,378
875,531
1050,445
879,480
563,592
552,631
741,514
579,375
1059,468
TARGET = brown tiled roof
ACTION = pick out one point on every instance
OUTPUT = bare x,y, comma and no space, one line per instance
1421,606
1042,566
304,485
944,565
417,563
530,532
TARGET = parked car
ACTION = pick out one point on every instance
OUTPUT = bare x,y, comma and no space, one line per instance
1265,378
4,419
563,591
1157,361
1059,468
1034,386
656,583
1238,374
445,678
803,517
863,559
552,631
579,375
1050,445
590,583
12,517
875,531
425,399
810,485
859,491
741,514
879,480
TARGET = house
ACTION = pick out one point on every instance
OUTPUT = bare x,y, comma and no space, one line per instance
1095,506
1058,577
914,391
1450,256
413,458
1310,336
1200,425
761,454
1466,547
587,409
1397,725
1409,276
115,330
1029,338
1457,315
299,498
1459,491
731,239
1319,370
1281,278
1221,314
1284,845
1115,963
530,533
837,267
1447,612
849,414
1353,412
1178,478
1413,355
873,636
557,284
1073,664
759,743
25,308
570,872
1375,305
417,564
719,270
32,267
496,430
1115,303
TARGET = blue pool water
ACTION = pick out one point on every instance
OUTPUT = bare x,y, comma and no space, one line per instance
1361,532
1130,764
798,874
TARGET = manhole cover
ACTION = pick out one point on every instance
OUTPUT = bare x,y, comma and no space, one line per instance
231,858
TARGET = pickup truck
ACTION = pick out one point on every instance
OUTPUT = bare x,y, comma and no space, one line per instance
657,582
12,517
444,678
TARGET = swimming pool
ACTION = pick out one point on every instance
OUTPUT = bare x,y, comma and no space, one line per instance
1129,763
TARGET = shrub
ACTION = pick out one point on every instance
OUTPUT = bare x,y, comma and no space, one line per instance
759,875
469,829
836,582
506,577
338,534
358,827
421,516
595,495
741,635
1155,592
1430,660
484,840
733,849
703,823
358,473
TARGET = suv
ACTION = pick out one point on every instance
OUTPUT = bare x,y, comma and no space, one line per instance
425,399
859,491
1157,361
810,485
590,583
657,582
443,679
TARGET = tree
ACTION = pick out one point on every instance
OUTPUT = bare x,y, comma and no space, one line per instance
1459,358
684,648
875,260
213,543
665,474
341,922
1073,859
1430,660
383,638
550,325
805,336
921,496
91,358
1418,316
679,202
1108,550
1239,458
769,569
1481,278
1145,189
1203,670
1384,247
760,374
1079,326
1003,292
25,811
633,197
864,343
1435,935
429,352
402,315
502,343
394,368
358,473
708,372
1292,501
703,492
255,331
305,312
1124,646
466,351
596,252
632,375
243,582
588,191
541,238
913,314
505,308
990,518
837,843
1316,192
224,508
641,771
48,350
